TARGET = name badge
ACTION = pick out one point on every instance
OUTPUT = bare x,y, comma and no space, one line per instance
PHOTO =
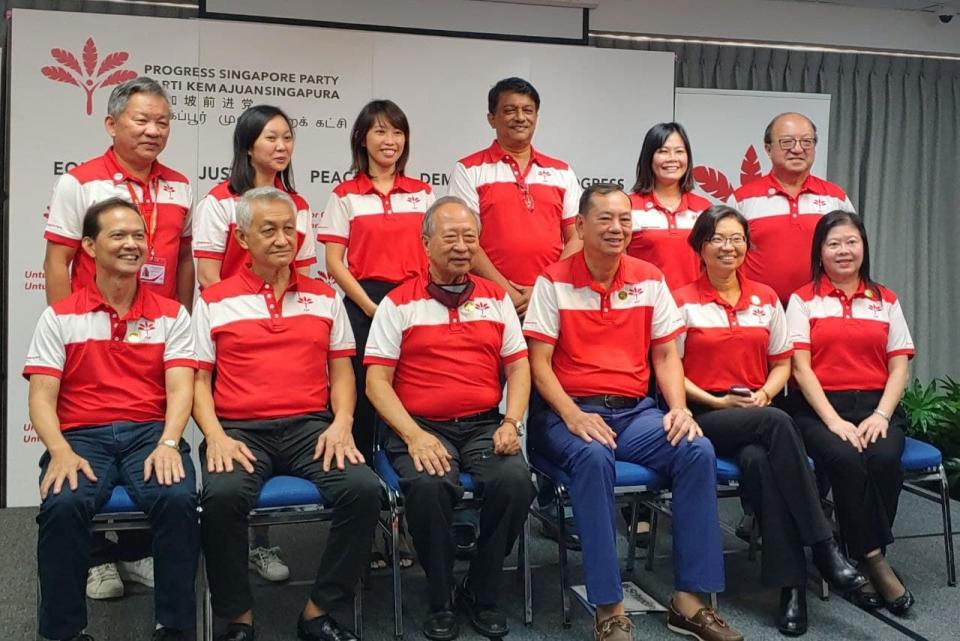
154,271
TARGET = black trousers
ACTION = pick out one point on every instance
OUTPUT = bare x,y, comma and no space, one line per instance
503,483
778,483
285,446
866,486
364,416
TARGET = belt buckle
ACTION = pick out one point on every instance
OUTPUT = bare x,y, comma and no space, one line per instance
606,401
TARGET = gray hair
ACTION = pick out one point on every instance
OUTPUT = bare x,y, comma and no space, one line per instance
427,228
120,95
259,195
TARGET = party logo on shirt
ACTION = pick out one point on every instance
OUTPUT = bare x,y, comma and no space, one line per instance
483,308
820,203
876,308
759,313
170,190
305,300
413,200
635,291
141,331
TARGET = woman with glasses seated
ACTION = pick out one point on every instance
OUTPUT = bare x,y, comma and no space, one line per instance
852,345
736,358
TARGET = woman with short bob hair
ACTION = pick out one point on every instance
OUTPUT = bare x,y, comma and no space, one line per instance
851,346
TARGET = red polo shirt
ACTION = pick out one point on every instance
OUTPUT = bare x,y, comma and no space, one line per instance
166,195
216,219
111,368
602,337
523,213
659,235
727,345
448,361
270,355
781,228
850,339
381,231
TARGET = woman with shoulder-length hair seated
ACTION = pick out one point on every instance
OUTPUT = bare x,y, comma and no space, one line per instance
852,345
736,358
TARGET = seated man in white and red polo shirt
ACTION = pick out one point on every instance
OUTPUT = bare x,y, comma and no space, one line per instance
437,348
275,395
111,385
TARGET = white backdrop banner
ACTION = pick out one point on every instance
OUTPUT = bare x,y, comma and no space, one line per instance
597,104
726,133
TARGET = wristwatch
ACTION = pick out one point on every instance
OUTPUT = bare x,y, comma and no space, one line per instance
521,428
169,443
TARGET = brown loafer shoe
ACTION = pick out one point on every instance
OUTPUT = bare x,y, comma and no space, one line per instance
705,625
619,627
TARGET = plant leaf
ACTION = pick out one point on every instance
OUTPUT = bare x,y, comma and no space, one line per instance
119,76
90,56
713,182
112,61
59,74
67,59
749,167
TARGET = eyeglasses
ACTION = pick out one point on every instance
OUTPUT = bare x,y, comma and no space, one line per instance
787,144
720,241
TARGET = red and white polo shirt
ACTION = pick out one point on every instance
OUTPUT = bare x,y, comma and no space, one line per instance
659,236
523,214
216,219
111,367
781,228
602,337
850,339
381,231
166,194
249,337
727,345
447,361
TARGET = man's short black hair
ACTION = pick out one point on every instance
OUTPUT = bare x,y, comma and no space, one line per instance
511,85
599,189
91,219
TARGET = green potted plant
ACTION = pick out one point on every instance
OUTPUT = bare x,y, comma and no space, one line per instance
933,415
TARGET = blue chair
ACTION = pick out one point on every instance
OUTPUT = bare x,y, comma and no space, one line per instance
923,463
391,483
633,485
284,500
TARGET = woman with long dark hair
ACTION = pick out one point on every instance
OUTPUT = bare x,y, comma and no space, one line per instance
664,205
736,358
262,155
851,346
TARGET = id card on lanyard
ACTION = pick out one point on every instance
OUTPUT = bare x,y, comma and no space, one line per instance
154,269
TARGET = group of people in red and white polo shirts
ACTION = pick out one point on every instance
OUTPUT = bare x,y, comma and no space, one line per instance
647,328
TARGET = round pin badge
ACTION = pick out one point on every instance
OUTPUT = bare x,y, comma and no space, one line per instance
868,293
755,299
468,307
622,295
133,337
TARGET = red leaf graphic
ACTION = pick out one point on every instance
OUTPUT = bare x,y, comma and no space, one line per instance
750,167
89,56
112,61
713,182
119,76
59,74
67,59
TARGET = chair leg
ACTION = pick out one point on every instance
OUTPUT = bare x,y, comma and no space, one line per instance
652,544
395,549
523,566
632,536
714,603
947,527
754,538
824,590
561,545
358,610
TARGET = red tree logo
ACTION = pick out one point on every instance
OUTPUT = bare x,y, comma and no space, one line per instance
306,301
715,183
90,77
635,291
145,326
483,307
413,200
759,313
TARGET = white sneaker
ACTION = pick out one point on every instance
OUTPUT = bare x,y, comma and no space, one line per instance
103,582
268,564
137,571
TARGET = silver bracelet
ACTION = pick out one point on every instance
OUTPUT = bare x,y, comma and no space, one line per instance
880,412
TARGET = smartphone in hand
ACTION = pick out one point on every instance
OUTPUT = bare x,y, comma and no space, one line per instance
741,390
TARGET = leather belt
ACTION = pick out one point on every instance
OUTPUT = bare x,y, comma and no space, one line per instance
610,401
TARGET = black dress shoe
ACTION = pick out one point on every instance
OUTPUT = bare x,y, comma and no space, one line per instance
489,622
902,603
238,632
835,568
441,624
792,620
167,634
550,530
323,628
866,600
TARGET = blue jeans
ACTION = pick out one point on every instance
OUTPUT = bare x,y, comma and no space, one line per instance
690,467
116,453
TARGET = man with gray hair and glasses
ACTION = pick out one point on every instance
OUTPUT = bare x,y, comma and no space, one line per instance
275,395
439,344
138,122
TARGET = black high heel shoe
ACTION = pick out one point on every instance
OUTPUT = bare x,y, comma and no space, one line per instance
902,603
